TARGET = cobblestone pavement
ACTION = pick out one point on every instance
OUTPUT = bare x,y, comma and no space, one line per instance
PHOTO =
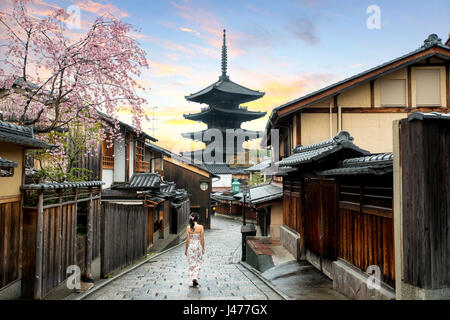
166,276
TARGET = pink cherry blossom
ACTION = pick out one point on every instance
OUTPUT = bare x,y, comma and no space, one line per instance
51,79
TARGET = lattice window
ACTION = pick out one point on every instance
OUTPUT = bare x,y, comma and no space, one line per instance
107,155
140,165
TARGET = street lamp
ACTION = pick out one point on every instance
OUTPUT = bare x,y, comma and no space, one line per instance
246,230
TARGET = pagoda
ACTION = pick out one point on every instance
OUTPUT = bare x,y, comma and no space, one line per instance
223,113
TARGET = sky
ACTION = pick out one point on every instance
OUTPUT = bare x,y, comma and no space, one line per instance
285,48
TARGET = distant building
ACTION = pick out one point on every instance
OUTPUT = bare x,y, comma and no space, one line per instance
224,117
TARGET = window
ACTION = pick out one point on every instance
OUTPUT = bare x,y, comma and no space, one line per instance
428,87
107,155
393,92
140,165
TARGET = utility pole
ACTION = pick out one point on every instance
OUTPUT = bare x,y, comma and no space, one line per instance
153,119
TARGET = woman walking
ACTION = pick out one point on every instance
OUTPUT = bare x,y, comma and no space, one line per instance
195,247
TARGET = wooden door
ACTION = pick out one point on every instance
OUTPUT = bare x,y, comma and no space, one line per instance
150,223
321,209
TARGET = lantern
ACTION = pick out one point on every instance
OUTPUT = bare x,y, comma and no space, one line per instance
235,186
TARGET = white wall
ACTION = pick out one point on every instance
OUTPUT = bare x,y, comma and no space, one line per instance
131,158
225,181
119,161
107,177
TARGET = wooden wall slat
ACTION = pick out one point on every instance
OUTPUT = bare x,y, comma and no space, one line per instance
124,235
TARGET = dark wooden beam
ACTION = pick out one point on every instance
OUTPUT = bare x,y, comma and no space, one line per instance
378,110
372,94
299,128
431,64
447,84
409,102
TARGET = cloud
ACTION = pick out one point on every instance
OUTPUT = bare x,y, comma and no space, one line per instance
179,122
165,69
304,29
189,30
101,9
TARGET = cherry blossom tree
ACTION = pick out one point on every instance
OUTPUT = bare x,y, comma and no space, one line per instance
52,78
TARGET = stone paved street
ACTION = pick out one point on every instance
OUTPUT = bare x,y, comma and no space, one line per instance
166,276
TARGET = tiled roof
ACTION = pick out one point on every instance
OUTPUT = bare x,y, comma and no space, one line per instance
428,116
158,148
265,192
13,133
223,168
61,185
222,196
5,163
318,151
282,171
198,135
168,187
111,121
377,164
144,180
260,166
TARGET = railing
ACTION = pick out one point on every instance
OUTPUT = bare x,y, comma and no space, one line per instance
108,162
142,166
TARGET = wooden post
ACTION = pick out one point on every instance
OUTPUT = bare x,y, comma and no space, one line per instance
39,243
74,234
397,210
22,201
59,238
89,237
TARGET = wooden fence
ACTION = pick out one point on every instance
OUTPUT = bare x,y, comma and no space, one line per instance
366,235
350,219
124,235
50,236
10,240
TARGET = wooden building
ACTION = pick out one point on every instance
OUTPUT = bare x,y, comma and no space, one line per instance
196,180
266,200
14,141
127,155
339,204
366,104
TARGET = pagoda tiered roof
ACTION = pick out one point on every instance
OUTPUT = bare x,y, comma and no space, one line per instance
239,113
199,134
225,91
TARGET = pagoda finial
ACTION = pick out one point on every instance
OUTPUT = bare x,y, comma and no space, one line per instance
224,56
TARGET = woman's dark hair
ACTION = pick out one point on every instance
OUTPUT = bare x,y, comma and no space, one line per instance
192,218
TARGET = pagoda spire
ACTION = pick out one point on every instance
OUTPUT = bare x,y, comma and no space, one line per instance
224,57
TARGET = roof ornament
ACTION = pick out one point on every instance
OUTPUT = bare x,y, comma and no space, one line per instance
432,40
224,57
